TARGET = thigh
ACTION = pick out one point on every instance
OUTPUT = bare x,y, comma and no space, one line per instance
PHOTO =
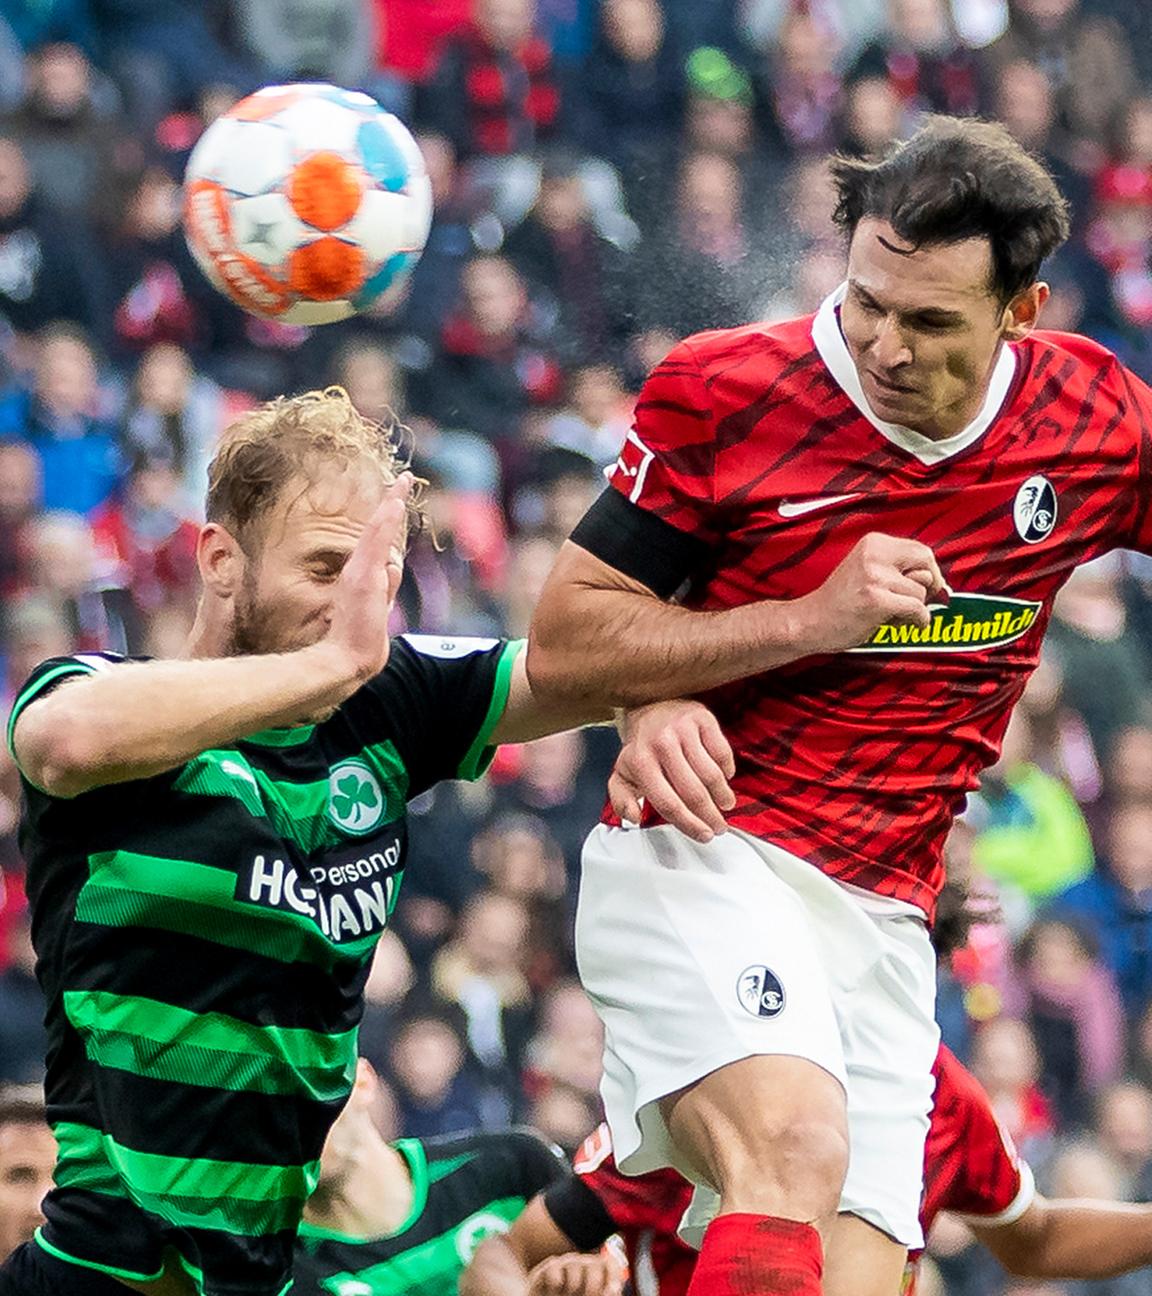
696,957
859,1260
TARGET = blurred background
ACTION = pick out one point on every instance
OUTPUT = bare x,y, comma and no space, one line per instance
609,175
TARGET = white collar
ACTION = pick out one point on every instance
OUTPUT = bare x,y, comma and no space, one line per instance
836,356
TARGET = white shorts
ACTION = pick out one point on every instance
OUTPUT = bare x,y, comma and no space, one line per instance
697,956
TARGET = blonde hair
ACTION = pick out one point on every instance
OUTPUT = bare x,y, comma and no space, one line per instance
290,437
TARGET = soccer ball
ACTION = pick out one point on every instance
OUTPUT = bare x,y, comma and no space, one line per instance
304,203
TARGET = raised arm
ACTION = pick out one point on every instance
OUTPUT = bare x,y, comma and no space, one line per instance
602,637
1072,1239
136,720
605,629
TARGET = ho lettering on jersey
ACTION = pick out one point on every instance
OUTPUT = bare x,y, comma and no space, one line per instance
966,623
348,895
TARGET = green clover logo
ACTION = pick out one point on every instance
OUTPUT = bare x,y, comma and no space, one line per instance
355,800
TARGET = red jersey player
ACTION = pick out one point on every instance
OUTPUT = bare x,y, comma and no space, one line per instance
864,517
970,1168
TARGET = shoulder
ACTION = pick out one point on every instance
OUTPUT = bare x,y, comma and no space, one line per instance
1075,362
772,346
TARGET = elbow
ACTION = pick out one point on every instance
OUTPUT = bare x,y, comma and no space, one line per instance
61,759
554,673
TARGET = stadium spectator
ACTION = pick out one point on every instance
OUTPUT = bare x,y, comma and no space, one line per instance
46,271
68,135
597,415
701,269
1086,56
20,500
323,40
1116,901
626,100
574,272
923,60
493,365
59,418
800,87
27,1155
873,116
1034,836
1073,1009
1006,1062
435,1094
494,92
1123,1121
481,970
22,1037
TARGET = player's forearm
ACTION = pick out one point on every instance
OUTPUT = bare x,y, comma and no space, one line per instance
622,648
495,1270
1078,1239
140,719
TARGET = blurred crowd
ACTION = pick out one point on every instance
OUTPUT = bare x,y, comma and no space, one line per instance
609,175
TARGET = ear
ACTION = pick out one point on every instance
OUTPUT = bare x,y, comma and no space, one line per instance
1022,312
221,561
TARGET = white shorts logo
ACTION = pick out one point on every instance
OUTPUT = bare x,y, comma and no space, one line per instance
760,992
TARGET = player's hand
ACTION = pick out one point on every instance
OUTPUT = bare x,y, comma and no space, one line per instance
577,1275
884,579
367,587
676,757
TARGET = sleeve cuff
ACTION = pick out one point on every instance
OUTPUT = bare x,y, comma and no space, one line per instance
1025,1196
479,755
33,690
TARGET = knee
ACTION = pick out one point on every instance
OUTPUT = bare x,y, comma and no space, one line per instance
795,1168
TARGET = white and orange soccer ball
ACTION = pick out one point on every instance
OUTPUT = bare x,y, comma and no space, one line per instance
305,203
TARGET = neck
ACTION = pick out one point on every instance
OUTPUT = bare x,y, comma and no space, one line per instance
204,639
370,1195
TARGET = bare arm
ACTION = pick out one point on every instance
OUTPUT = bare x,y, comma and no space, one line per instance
600,636
501,1265
137,720
1072,1239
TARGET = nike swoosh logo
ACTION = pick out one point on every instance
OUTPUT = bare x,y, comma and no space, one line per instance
800,507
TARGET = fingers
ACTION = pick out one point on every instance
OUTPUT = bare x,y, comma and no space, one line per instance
710,773
912,611
719,748
624,798
686,806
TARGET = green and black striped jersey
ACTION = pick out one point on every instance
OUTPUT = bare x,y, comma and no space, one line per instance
203,938
465,1189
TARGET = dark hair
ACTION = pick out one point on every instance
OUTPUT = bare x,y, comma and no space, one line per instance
21,1105
958,179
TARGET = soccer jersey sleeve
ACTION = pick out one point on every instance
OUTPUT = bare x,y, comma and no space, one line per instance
48,676
530,1165
439,699
657,521
990,1184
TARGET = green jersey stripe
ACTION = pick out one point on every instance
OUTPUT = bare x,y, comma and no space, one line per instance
37,687
479,755
156,1039
281,737
123,888
225,1196
433,1267
298,811
44,1244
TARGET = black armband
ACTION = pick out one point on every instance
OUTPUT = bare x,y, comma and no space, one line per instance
578,1213
639,544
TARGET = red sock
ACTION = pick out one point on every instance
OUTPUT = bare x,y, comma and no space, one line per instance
758,1255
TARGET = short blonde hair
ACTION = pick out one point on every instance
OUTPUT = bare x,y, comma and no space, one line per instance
291,437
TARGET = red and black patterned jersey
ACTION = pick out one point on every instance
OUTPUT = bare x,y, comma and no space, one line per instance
644,1210
758,444
970,1163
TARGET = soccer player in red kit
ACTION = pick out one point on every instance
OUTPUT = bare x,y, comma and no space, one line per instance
971,1168
845,532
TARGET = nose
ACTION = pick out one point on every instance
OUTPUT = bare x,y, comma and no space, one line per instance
889,347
